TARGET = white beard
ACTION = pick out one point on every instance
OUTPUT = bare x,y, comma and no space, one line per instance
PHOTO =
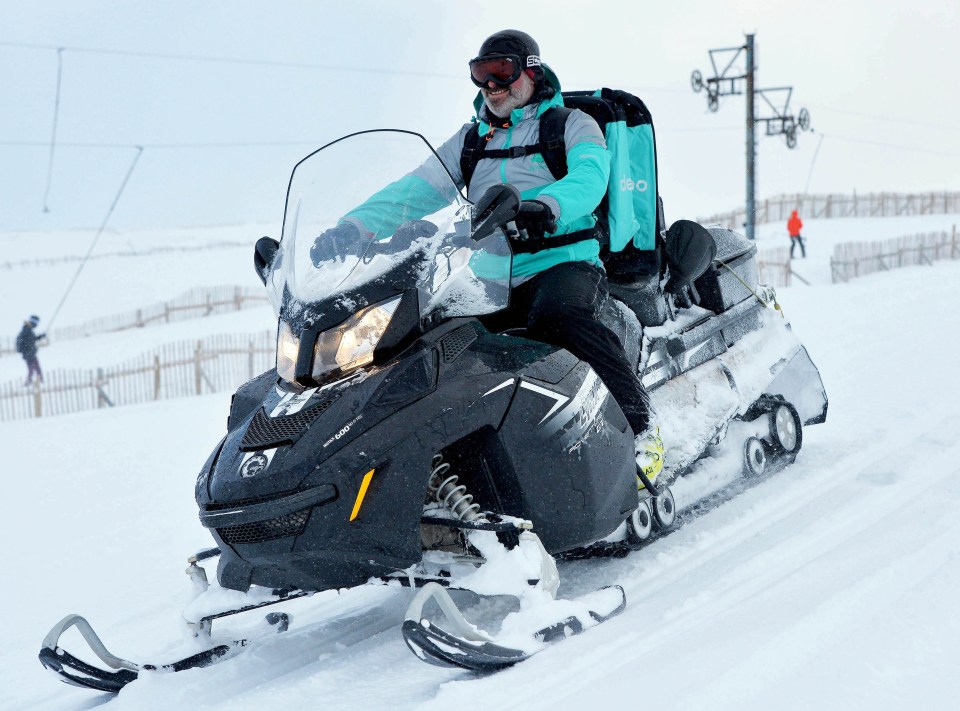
518,94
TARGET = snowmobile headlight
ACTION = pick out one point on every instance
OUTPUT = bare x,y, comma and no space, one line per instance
288,346
351,344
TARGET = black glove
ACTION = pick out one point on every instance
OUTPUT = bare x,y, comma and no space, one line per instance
337,243
406,233
535,218
684,293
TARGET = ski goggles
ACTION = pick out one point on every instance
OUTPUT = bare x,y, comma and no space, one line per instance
502,71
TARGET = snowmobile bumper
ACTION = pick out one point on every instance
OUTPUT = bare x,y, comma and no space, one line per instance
799,383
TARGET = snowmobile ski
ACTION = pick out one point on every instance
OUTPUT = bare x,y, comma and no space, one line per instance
121,672
468,647
79,673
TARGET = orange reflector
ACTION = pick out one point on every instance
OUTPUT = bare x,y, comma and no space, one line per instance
360,494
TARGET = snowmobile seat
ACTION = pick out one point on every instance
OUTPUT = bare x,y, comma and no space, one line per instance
690,252
623,321
639,289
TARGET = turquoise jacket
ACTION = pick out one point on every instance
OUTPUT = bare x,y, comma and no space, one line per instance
573,199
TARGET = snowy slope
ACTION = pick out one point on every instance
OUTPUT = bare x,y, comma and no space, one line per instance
153,267
831,585
161,265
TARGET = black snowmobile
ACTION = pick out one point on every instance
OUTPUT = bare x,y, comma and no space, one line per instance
400,442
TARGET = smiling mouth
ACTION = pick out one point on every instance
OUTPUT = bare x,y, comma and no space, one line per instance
496,92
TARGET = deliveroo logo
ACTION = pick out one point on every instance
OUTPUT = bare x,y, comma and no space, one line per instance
628,184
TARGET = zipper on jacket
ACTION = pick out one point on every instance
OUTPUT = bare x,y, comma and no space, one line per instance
508,143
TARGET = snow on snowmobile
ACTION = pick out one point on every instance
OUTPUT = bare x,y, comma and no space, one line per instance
398,442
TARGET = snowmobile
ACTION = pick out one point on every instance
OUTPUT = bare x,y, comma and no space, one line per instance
399,442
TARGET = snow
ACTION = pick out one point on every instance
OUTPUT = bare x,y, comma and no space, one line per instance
831,584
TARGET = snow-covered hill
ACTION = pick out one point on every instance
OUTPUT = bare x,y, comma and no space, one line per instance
831,585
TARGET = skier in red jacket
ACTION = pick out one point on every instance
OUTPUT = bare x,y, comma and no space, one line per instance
794,224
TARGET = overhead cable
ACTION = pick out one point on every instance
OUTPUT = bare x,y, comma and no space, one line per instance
53,137
96,238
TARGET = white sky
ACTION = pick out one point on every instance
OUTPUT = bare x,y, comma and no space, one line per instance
876,80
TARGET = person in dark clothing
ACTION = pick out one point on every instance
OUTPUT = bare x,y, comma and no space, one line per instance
27,347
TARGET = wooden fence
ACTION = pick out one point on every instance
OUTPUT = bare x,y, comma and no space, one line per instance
853,259
214,364
195,303
810,207
773,265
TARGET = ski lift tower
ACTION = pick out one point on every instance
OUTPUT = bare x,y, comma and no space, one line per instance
727,83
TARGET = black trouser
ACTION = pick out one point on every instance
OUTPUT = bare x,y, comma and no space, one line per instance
33,368
561,306
794,241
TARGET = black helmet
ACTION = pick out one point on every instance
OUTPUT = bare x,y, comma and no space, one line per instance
512,43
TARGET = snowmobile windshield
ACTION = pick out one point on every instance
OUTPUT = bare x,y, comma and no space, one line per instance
376,214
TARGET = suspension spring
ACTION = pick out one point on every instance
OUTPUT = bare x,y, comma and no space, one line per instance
445,490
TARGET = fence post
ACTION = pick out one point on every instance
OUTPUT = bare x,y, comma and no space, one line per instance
37,399
198,368
250,361
156,377
98,385
953,243
238,298
166,311
844,275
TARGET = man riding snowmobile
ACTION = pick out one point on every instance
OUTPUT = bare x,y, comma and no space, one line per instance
399,441
558,282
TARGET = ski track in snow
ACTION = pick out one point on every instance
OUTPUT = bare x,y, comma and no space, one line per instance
768,621
830,584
